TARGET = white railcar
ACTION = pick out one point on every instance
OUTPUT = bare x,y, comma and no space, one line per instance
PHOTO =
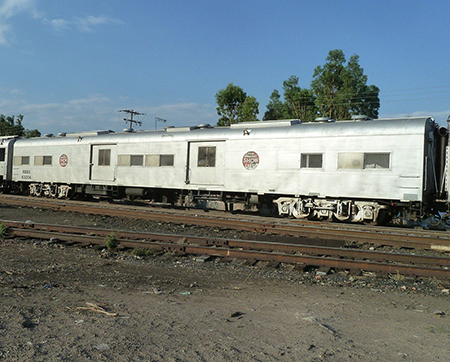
350,170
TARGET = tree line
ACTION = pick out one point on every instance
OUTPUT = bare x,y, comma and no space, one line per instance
338,91
12,126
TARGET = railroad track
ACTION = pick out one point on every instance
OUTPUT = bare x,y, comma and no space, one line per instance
378,236
306,255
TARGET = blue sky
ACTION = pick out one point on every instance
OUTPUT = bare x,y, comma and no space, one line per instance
69,66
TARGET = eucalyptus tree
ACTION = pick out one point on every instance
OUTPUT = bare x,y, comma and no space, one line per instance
234,106
275,107
12,126
341,89
298,102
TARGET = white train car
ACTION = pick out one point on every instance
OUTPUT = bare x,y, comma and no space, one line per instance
349,170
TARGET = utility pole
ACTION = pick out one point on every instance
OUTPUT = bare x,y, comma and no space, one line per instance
157,119
131,120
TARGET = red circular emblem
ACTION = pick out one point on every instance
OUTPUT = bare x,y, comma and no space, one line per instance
63,160
250,160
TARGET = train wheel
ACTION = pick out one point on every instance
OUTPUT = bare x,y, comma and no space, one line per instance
299,212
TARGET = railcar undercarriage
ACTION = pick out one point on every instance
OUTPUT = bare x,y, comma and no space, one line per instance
347,210
340,210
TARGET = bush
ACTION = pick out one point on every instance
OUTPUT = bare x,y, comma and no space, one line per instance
5,230
112,241
142,252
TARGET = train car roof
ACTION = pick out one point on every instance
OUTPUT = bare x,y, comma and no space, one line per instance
262,129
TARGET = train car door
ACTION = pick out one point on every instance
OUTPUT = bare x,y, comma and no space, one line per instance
103,162
6,159
206,163
3,164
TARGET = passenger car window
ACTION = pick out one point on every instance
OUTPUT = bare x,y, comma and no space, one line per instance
377,160
26,160
137,160
47,160
41,161
166,160
104,157
206,157
311,160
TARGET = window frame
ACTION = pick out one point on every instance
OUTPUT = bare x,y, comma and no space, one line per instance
307,157
104,157
206,156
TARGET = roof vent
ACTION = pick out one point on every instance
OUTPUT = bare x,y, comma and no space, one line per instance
324,120
266,124
204,125
361,117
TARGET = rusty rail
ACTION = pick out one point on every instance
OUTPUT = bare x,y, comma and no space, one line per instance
317,256
417,239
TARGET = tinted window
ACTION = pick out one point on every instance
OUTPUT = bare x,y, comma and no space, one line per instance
104,157
166,160
136,160
206,157
311,160
376,160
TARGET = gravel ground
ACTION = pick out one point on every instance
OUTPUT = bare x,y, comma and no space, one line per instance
70,304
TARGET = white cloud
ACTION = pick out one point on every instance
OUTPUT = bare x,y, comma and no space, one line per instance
181,114
97,111
16,91
9,8
4,29
58,24
87,24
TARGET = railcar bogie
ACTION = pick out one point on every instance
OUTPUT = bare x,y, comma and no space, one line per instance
325,209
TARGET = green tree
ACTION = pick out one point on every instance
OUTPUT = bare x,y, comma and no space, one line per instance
275,107
341,89
249,110
299,102
12,126
30,133
234,106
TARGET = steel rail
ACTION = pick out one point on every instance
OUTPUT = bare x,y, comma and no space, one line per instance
253,250
408,238
291,248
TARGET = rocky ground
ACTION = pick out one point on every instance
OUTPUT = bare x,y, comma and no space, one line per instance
61,303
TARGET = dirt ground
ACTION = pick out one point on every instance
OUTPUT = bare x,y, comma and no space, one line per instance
170,308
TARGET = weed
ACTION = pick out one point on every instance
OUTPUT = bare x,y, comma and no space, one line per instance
5,230
142,252
398,277
112,241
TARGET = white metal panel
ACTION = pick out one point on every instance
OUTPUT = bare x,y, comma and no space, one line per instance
275,171
70,162
203,174
99,170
